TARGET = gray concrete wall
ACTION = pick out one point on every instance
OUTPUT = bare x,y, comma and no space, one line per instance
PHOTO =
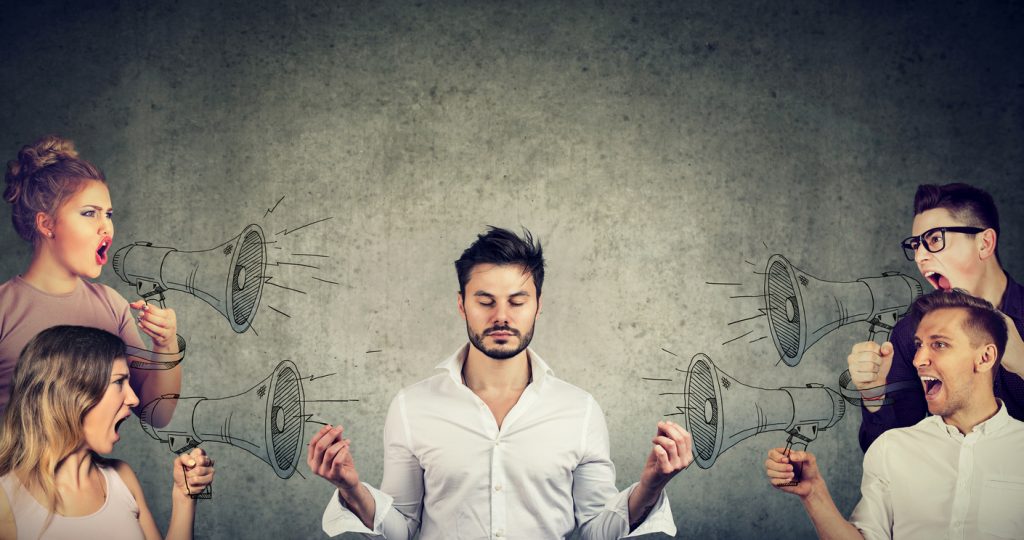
653,147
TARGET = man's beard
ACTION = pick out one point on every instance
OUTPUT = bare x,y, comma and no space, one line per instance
500,354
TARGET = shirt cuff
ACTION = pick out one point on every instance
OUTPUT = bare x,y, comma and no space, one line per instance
339,519
659,519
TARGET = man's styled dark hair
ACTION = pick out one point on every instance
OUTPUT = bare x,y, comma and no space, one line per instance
971,205
502,247
983,323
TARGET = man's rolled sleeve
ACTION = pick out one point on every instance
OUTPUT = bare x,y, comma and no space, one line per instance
659,519
338,519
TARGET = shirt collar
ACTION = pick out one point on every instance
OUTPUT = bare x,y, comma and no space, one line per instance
453,364
986,428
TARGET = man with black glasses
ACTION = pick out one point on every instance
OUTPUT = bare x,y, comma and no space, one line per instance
954,243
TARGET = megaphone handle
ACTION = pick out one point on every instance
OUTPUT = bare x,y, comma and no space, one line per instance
206,493
790,445
879,335
160,300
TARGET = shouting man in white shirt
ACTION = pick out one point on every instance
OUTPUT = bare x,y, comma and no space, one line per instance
496,446
957,474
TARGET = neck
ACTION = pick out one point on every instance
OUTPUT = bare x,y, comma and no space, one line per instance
481,372
966,418
991,283
75,469
47,275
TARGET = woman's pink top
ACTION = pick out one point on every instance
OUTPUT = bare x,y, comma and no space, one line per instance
117,519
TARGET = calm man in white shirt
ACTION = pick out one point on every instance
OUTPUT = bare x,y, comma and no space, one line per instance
956,474
495,446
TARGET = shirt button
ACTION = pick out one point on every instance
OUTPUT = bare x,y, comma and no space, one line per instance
497,487
499,533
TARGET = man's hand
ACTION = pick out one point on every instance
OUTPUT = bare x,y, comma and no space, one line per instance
329,456
672,453
869,365
812,490
780,469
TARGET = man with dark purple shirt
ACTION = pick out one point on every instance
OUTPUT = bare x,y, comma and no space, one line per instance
954,243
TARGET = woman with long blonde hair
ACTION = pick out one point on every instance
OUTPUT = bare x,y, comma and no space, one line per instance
70,394
61,205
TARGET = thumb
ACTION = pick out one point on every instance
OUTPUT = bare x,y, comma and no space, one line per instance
886,350
886,365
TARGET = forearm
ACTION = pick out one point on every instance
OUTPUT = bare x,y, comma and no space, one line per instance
641,501
183,515
1013,356
151,385
828,522
360,502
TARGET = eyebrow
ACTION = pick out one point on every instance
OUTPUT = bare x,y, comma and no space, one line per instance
934,337
95,207
489,295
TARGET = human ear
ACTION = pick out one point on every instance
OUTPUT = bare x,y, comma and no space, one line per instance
986,241
44,225
462,308
987,359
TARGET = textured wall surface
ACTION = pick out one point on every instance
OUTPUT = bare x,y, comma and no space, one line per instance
653,147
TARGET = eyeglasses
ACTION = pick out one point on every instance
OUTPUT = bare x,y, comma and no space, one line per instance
934,240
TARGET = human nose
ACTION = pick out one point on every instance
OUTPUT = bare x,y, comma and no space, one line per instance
131,399
921,358
921,254
106,225
500,313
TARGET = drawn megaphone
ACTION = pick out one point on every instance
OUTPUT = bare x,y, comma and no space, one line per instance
802,308
721,411
229,277
266,420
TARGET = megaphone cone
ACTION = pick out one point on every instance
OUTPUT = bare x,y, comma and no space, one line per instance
802,308
721,411
229,277
266,420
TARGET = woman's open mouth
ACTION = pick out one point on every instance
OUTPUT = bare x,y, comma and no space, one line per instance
101,251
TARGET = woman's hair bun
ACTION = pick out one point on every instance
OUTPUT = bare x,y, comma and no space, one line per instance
43,176
45,152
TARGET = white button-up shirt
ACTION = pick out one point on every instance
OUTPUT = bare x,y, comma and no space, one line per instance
931,481
450,472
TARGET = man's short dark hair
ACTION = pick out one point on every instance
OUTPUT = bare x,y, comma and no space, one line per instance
502,247
973,206
984,324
